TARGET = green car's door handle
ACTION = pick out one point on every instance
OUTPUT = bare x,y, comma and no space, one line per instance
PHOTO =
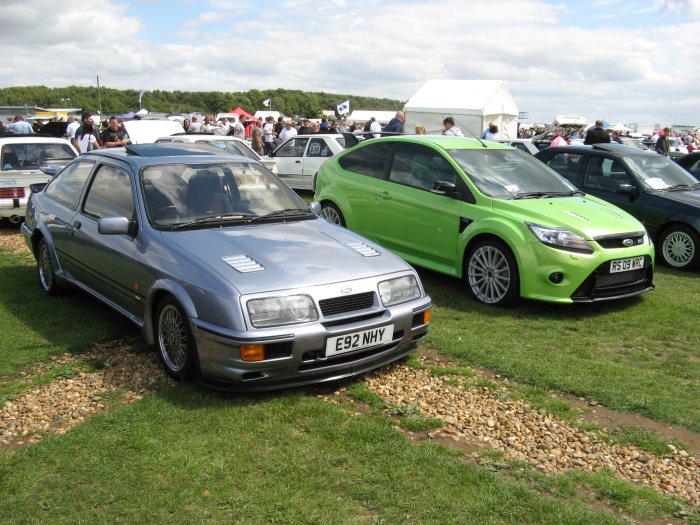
384,195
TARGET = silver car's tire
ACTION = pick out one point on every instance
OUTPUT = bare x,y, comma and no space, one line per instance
47,275
679,248
491,273
332,214
174,341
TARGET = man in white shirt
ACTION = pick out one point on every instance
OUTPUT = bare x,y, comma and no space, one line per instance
269,135
451,128
71,128
287,132
376,128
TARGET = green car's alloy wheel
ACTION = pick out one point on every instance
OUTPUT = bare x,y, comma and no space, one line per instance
492,273
47,276
332,214
679,248
174,339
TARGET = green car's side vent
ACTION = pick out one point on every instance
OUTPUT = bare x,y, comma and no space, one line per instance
463,223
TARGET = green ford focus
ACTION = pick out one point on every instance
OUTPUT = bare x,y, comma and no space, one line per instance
489,214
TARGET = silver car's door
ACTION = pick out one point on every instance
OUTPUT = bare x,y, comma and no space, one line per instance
106,261
61,199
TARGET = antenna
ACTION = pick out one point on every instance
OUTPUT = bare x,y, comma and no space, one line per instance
477,138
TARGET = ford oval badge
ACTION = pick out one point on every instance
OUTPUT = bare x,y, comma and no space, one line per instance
628,242
346,290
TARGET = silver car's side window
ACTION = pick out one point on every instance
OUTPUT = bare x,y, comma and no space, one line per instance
67,187
110,194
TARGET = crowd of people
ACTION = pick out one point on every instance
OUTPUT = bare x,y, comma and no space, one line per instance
265,134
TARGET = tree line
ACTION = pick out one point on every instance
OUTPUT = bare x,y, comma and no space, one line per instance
119,101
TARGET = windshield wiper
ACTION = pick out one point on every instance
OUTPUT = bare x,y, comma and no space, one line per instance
216,218
289,212
683,187
545,194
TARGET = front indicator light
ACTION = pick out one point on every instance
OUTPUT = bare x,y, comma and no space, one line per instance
426,316
252,352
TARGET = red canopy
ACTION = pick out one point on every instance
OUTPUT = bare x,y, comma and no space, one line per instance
242,114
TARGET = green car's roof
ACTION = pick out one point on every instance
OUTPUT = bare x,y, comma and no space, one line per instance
444,141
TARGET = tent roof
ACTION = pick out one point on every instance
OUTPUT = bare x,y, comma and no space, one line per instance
265,114
365,115
475,97
619,127
242,113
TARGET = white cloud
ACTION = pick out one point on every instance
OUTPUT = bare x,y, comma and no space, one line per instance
382,49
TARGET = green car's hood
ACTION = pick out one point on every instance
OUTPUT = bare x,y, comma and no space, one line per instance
587,216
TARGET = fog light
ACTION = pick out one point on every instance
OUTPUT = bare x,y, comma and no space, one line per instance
252,352
556,277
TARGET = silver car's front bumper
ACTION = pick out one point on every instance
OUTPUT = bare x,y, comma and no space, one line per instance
221,366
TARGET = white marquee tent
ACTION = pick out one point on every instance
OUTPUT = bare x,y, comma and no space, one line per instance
472,103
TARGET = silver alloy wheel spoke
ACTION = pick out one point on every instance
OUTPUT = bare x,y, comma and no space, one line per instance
45,267
330,215
173,338
489,274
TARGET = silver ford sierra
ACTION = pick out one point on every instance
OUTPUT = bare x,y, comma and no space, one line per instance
230,275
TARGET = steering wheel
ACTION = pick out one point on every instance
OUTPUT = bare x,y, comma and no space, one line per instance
163,211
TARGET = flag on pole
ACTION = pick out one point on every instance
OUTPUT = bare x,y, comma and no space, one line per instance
141,96
266,102
344,108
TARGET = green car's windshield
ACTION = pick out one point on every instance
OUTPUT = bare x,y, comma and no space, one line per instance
510,173
660,173
177,194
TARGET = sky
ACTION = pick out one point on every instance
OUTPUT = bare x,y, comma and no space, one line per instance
634,61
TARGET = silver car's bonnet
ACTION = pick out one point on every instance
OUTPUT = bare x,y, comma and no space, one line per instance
257,258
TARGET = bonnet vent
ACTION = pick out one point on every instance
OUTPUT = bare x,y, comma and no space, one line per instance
243,263
363,249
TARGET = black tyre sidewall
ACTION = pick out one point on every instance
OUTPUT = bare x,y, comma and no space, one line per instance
335,208
43,246
695,261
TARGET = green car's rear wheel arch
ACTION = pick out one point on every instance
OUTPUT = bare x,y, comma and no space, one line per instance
491,273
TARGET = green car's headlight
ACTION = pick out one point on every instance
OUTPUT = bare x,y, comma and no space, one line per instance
399,290
560,238
278,311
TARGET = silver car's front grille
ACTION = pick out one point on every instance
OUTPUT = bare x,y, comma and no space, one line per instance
347,303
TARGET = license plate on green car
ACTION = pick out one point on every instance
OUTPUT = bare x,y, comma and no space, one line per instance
627,265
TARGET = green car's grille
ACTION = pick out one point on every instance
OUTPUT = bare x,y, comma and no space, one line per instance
602,285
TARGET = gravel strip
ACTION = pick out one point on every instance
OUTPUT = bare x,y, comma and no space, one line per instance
66,402
550,445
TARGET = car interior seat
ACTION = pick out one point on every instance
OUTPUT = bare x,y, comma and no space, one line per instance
205,194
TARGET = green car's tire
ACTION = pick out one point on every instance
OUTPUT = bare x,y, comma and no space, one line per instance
332,214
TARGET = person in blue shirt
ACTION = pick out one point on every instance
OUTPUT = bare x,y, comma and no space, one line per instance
395,125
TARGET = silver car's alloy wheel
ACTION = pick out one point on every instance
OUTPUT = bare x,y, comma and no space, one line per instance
47,277
173,338
489,274
332,215
678,249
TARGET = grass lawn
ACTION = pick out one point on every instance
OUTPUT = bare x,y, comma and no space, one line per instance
640,355
184,455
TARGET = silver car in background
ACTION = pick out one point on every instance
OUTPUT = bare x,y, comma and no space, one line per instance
228,273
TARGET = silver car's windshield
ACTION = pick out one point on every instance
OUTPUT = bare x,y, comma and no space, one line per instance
509,174
660,173
179,194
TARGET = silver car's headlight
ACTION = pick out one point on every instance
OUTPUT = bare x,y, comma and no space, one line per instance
399,290
560,238
278,311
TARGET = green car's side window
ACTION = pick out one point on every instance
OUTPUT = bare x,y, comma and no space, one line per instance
370,160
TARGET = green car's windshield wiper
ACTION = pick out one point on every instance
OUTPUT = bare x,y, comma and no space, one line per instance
213,219
289,212
545,194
